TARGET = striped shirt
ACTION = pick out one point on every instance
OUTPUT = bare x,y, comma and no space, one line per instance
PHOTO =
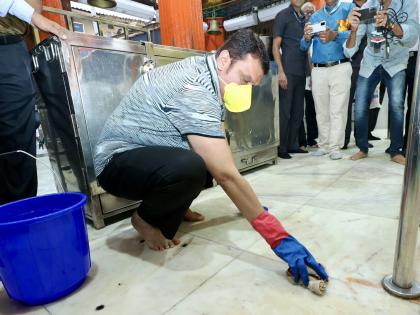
163,107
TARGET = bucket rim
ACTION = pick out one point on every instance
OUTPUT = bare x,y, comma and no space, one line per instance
82,202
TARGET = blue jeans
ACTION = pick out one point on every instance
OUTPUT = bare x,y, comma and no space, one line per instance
365,88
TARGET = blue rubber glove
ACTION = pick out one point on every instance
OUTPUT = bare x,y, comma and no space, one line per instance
287,247
298,257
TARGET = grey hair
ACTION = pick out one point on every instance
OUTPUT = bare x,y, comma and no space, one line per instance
306,5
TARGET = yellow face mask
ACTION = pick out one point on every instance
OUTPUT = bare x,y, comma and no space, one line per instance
237,97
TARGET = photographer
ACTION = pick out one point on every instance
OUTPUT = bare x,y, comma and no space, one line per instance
390,35
331,74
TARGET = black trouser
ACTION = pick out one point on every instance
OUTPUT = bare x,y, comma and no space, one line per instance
354,77
409,83
291,112
309,136
18,177
166,179
373,118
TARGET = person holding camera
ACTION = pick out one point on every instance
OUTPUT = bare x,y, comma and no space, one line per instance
356,59
391,33
331,74
308,137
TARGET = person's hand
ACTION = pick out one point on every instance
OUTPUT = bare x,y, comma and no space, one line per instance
328,35
283,80
381,19
287,247
47,25
354,19
307,32
299,258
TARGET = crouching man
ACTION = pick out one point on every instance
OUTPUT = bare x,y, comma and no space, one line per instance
166,135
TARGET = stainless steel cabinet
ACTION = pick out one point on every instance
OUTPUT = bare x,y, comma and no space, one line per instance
254,134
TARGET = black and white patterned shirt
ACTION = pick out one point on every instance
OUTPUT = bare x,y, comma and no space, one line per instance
163,107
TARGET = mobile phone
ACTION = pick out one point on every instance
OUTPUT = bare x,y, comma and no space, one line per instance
367,14
319,27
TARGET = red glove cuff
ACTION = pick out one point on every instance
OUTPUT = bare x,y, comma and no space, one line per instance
270,228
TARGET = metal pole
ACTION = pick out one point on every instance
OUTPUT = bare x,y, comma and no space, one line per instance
401,283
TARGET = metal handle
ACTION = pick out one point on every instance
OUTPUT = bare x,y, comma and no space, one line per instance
248,160
46,53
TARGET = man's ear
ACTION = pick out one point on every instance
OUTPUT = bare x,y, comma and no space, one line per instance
224,61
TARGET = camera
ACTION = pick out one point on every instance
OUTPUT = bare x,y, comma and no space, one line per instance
319,27
367,14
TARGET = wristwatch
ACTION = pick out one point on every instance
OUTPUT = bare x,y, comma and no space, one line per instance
391,26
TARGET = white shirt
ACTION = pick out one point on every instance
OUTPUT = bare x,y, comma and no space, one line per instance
18,8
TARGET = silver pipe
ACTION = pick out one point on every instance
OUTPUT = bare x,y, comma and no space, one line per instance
401,283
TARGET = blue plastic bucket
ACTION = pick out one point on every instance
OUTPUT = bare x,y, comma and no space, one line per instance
44,248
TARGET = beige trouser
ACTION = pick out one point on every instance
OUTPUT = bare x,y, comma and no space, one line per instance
331,90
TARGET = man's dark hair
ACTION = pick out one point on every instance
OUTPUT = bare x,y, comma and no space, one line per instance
245,42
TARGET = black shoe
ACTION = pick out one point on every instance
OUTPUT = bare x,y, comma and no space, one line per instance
345,146
387,150
370,145
372,137
297,151
285,156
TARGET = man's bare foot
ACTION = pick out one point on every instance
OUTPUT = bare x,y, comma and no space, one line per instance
359,155
400,159
152,236
192,216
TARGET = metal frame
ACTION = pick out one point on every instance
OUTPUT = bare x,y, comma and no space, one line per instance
69,15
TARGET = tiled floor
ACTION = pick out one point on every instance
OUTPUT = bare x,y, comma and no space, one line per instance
345,212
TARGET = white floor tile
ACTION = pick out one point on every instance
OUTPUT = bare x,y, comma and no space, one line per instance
345,212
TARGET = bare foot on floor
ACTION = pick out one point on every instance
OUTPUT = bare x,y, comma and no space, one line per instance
151,235
358,156
192,216
400,159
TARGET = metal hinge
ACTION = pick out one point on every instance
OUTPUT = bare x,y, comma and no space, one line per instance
147,66
47,53
74,124
35,63
248,160
56,54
